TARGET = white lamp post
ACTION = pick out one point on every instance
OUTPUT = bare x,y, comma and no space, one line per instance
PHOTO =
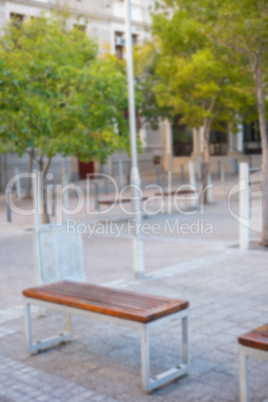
138,255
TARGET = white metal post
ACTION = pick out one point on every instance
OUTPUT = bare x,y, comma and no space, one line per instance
192,180
209,190
244,204
222,177
18,184
243,376
121,174
169,146
199,166
37,195
8,201
138,252
65,189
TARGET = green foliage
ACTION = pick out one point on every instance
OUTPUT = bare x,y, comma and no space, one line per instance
196,76
57,95
145,63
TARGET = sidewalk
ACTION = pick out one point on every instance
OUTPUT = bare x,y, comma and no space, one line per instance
226,288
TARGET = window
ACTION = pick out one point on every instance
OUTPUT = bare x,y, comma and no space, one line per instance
120,43
17,18
80,27
182,138
252,138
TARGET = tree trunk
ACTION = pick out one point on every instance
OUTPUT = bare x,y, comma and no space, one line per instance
263,130
44,169
206,159
28,184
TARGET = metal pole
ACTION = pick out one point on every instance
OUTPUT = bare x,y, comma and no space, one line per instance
106,185
158,176
76,184
65,182
37,196
244,204
163,182
97,205
222,177
138,253
121,174
8,197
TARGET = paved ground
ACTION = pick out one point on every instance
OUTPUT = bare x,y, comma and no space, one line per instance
226,288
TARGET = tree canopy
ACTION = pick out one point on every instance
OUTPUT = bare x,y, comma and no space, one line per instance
193,76
57,94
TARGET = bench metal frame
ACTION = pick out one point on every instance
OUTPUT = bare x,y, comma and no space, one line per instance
244,354
149,384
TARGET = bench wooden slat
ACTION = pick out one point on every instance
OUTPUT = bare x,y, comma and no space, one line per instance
257,339
96,295
113,302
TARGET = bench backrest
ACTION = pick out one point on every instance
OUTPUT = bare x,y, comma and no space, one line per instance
58,254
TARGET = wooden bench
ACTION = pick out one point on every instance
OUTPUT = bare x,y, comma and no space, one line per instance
137,311
252,344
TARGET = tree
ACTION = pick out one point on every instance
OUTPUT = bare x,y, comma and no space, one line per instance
241,28
197,80
57,95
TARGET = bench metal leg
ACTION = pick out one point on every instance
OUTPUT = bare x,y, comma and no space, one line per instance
186,340
150,384
145,358
243,376
46,343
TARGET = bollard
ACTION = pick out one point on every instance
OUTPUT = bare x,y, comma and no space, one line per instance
182,174
192,180
121,174
51,199
37,196
199,167
222,177
163,182
106,185
76,184
244,197
209,190
97,205
40,199
158,176
18,184
236,164
219,169
8,198
129,173
65,182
